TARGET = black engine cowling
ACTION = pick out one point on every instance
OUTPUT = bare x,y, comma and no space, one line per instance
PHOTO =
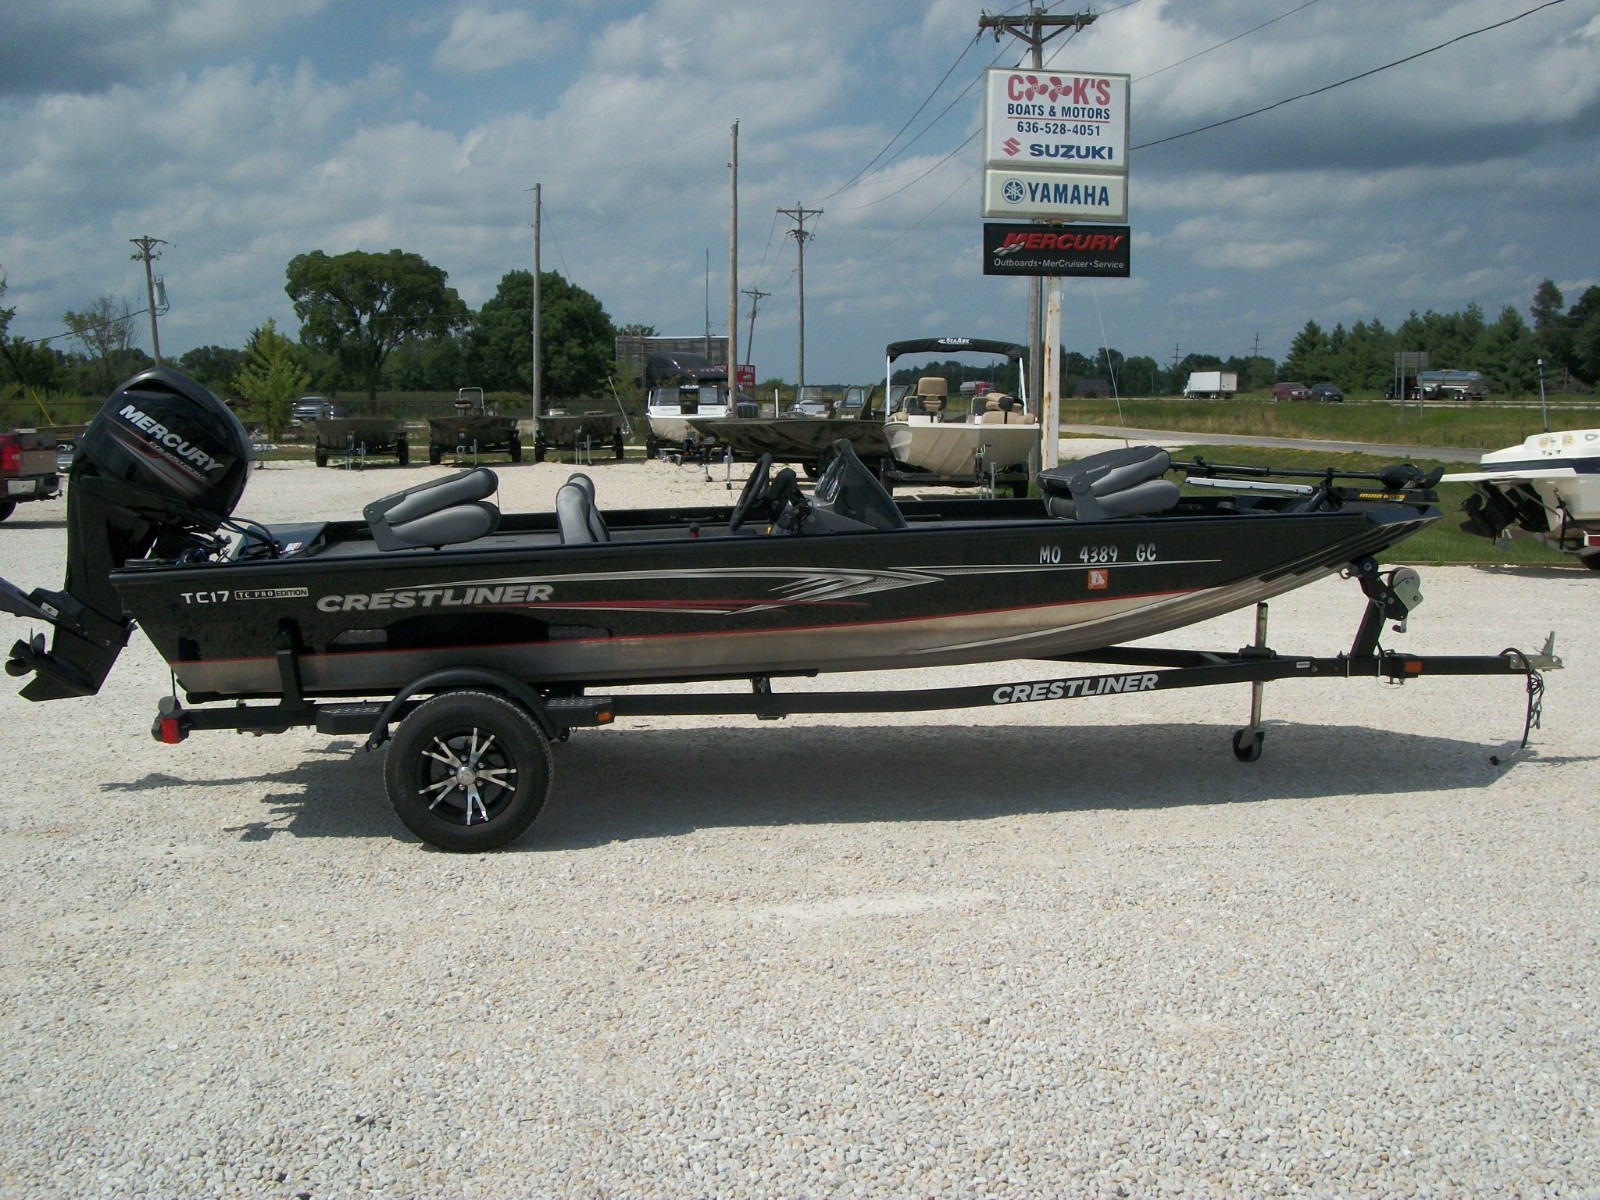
163,462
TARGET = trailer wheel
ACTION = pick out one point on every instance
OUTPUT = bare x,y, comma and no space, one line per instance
1247,744
7,507
516,448
617,447
402,451
321,456
435,454
468,771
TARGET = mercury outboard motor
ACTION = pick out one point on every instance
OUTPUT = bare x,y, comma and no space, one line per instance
158,470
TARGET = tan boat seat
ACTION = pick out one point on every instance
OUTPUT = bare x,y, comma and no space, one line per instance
1001,409
932,394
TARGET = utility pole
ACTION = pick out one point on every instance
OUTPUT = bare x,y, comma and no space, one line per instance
756,296
1036,29
147,252
733,274
798,215
538,391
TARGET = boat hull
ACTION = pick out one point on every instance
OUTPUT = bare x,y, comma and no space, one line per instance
954,450
661,603
795,439
573,429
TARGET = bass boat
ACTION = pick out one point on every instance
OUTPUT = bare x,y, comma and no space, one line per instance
484,636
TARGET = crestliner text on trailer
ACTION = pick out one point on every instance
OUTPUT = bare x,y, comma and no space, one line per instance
482,637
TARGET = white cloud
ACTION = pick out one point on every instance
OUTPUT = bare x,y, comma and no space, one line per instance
481,40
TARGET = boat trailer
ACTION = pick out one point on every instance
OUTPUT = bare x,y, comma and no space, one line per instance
471,697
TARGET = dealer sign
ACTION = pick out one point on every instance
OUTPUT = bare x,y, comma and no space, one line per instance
1100,251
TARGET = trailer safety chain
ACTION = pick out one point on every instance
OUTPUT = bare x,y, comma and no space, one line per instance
1535,685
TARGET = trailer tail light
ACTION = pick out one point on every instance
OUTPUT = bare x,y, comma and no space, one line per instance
170,730
10,455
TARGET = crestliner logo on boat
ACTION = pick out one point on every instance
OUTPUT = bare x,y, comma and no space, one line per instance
437,597
158,433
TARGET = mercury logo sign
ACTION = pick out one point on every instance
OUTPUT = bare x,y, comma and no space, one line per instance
1061,241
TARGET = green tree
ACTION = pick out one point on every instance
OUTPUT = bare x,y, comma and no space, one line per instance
105,331
214,366
576,338
360,306
270,379
1310,355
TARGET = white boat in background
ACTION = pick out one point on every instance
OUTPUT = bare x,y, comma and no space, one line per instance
1546,487
676,388
978,438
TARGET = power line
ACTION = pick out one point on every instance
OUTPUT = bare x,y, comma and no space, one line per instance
1352,79
1220,45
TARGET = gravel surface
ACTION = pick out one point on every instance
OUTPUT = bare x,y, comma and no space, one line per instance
1050,950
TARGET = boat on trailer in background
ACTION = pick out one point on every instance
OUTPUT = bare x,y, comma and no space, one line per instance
471,639
1547,487
967,439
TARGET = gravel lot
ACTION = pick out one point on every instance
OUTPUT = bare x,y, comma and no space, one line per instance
1052,950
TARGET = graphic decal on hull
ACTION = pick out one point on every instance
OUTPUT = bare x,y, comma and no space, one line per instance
790,586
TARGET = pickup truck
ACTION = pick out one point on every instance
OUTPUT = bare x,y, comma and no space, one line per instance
27,468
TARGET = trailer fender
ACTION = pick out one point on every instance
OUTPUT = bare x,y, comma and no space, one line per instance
455,679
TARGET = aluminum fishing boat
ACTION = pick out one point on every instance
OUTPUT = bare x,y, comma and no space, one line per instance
1548,487
805,437
470,628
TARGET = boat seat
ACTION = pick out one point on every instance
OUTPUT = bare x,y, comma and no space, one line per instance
1116,483
576,514
932,394
1001,409
441,512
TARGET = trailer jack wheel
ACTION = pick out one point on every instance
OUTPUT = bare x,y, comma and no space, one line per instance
1247,744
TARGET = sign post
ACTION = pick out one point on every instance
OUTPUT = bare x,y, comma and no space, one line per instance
1055,150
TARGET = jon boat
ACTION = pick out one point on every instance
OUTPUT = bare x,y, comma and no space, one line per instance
472,431
580,433
356,439
482,637
1547,487
804,439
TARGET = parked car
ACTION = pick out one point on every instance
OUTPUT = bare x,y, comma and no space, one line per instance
1290,391
1326,393
316,408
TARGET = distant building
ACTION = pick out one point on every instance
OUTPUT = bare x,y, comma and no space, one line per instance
1091,387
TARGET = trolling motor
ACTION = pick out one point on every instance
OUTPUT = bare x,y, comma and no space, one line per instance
158,470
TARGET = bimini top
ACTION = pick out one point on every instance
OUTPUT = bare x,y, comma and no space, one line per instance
955,345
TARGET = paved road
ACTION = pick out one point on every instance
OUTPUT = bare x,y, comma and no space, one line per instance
1437,453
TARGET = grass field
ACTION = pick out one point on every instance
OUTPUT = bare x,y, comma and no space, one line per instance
1441,543
1479,427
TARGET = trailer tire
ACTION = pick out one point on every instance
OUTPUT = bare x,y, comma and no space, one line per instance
515,448
402,451
321,456
7,507
468,771
435,454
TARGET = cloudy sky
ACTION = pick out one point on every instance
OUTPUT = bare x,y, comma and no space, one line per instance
244,133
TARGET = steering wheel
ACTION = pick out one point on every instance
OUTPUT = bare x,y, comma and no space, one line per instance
755,490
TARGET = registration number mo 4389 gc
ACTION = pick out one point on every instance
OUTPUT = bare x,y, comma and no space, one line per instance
1097,556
